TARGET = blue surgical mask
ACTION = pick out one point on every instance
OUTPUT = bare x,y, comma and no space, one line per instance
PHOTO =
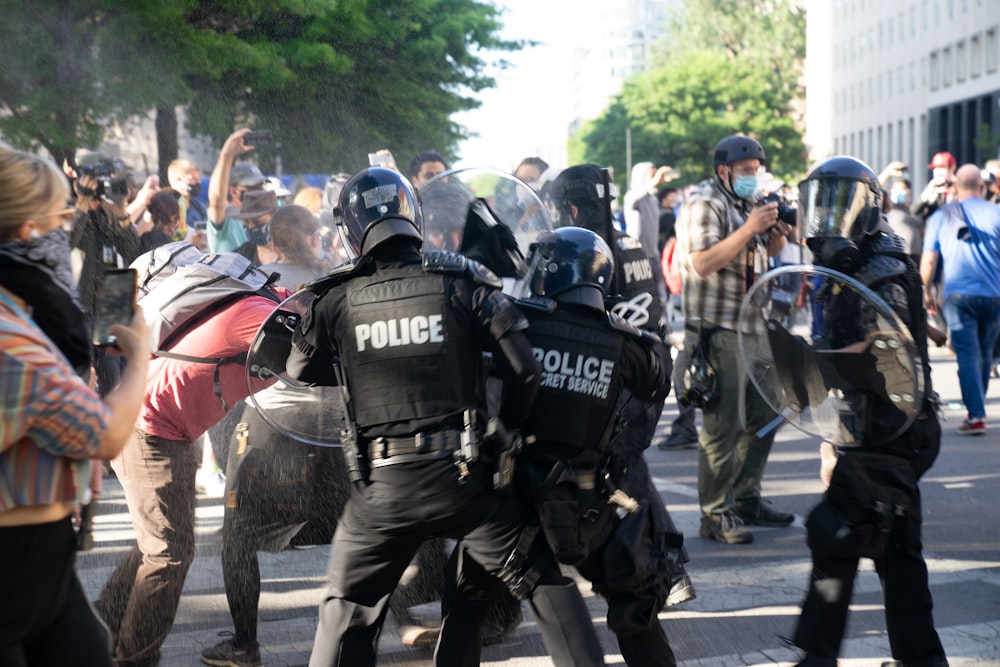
745,187
898,197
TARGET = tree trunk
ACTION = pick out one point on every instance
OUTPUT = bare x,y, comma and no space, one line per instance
166,140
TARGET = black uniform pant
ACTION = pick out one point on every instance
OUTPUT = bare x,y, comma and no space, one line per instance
902,572
633,613
385,522
275,486
630,445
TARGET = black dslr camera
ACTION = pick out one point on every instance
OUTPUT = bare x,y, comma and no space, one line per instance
786,214
699,382
111,177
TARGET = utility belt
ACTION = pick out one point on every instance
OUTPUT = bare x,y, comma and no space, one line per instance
443,443
459,444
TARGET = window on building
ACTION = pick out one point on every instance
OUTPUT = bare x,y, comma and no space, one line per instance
878,148
990,50
881,37
946,66
961,61
975,54
924,10
913,21
913,77
889,90
889,32
934,71
899,80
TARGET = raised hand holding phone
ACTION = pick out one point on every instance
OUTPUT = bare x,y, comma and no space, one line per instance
115,305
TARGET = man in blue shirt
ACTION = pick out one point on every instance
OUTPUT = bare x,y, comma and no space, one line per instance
227,186
966,236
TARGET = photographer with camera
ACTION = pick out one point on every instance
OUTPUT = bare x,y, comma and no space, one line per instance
941,188
724,241
102,238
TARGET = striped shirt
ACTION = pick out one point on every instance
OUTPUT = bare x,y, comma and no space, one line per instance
51,422
708,216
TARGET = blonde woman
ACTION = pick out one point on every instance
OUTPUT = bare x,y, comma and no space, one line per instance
52,424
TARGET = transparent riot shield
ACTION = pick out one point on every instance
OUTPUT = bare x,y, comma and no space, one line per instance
486,214
309,414
830,356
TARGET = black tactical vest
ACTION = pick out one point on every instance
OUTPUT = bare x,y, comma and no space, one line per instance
883,263
405,347
635,281
580,380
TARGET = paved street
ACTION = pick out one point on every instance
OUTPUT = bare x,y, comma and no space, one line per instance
748,595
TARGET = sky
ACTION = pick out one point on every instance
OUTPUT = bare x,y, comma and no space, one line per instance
527,113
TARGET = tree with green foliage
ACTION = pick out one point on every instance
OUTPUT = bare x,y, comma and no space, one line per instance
332,79
737,70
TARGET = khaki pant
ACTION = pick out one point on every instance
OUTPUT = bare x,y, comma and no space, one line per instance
731,458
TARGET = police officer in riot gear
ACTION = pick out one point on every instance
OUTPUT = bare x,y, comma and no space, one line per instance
589,358
839,214
581,196
403,334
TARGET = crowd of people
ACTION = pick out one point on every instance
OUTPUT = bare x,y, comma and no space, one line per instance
421,483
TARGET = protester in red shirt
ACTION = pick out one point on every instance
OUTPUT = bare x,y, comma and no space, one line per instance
157,472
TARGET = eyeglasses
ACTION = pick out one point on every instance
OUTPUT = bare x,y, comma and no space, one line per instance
745,171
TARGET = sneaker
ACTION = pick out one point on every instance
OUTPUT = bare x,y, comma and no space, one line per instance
973,427
765,515
681,588
227,654
726,528
211,483
679,441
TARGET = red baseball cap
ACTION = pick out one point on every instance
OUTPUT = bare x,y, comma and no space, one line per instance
943,159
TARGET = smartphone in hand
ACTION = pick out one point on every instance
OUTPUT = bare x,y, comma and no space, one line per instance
257,137
115,304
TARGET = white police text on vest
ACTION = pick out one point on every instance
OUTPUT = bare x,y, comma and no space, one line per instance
578,373
416,330
638,269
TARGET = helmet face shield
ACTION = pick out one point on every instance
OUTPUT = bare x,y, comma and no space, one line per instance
831,206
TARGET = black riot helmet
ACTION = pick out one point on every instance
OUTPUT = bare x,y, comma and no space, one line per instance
588,187
737,147
377,204
570,265
729,150
840,203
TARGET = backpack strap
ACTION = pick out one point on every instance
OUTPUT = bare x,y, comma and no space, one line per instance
239,358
